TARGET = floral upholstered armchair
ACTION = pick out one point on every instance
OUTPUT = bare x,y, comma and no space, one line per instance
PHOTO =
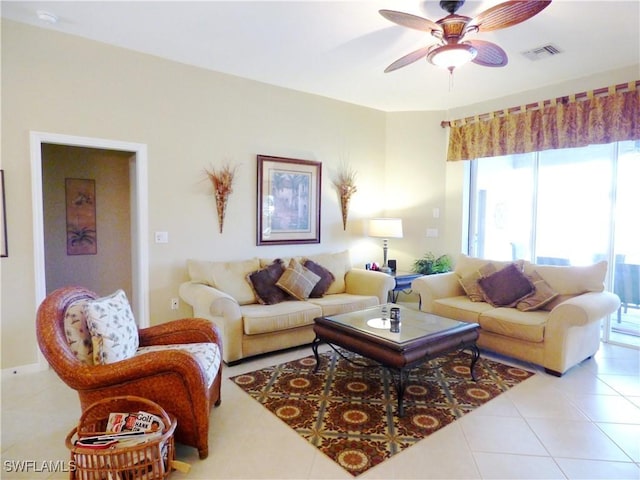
95,347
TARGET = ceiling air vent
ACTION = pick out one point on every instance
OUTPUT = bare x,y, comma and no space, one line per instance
542,52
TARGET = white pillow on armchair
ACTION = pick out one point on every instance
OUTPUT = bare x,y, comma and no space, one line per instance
77,332
114,332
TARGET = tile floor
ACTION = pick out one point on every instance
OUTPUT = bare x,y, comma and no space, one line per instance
585,425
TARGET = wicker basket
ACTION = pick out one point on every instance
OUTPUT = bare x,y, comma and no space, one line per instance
147,461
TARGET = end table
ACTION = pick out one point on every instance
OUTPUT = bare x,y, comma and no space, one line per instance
403,284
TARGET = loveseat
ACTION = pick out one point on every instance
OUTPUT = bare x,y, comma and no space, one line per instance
555,324
264,305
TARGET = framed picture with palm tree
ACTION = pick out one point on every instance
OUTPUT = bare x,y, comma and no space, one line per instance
80,196
288,201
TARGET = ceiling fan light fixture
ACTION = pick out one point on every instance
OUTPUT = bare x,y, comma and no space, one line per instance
451,51
452,56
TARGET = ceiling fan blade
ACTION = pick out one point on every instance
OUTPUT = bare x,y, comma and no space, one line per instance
489,54
408,59
507,14
411,21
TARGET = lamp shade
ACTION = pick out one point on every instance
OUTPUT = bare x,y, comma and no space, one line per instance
385,227
453,55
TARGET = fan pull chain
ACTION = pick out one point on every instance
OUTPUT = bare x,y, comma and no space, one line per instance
450,79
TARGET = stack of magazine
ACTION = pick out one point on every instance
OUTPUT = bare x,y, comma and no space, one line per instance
126,430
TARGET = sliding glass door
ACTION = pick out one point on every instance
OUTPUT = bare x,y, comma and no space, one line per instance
625,326
565,207
573,217
502,207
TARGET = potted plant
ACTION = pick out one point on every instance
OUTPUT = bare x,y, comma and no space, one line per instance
430,264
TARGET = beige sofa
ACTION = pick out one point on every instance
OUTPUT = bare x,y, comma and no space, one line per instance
556,327
223,293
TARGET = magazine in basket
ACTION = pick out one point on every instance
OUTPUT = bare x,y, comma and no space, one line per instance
134,422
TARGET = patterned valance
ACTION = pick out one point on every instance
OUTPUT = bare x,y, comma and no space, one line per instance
599,116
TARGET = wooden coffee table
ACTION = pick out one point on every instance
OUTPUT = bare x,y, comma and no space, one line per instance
421,337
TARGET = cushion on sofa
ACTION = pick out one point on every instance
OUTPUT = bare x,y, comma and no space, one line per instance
510,322
571,280
338,264
466,265
343,303
325,281
556,301
506,287
460,307
285,260
259,319
470,282
297,280
264,281
229,277
471,287
542,295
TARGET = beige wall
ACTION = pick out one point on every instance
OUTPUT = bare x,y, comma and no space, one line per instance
191,119
415,173
110,268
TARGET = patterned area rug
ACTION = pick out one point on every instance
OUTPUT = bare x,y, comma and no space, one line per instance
349,411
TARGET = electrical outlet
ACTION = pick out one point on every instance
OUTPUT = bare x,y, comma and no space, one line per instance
175,303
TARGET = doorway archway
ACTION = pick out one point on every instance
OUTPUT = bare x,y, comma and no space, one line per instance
139,213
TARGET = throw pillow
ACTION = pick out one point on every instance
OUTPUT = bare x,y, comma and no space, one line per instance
263,282
556,301
470,286
506,287
338,264
543,294
114,333
297,280
470,282
326,278
77,332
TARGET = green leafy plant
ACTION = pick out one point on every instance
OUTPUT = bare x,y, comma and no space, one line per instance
430,264
81,235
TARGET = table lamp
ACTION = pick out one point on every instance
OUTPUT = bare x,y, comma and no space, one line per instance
385,228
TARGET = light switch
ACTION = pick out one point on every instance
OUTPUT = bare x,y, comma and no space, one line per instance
436,212
162,237
432,232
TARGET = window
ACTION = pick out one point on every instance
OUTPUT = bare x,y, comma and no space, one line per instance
559,205
564,207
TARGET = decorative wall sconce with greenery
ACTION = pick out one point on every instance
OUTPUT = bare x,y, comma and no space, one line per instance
345,183
430,264
222,183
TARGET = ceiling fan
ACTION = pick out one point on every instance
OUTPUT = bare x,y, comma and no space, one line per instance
452,50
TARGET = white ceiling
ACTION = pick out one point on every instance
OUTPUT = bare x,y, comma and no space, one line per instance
339,49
